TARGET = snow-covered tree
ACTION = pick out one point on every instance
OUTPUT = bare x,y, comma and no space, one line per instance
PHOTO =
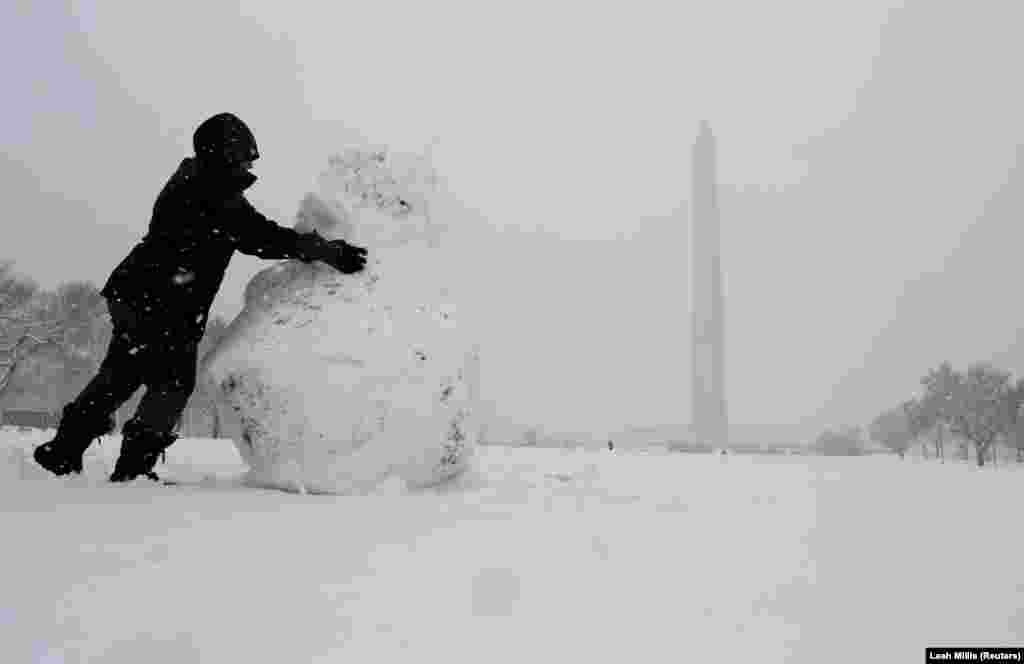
1013,401
15,290
920,420
24,326
85,333
893,429
980,411
937,405
57,336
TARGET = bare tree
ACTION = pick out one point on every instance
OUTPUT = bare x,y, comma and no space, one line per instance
22,329
1013,400
937,403
1016,439
25,344
71,324
15,291
920,420
980,411
85,333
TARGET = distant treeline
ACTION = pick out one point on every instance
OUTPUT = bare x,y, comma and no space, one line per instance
975,412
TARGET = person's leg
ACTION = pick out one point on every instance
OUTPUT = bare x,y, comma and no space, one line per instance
90,415
170,380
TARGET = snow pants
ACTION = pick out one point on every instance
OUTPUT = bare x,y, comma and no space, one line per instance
157,356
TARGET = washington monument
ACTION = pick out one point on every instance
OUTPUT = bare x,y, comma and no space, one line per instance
710,423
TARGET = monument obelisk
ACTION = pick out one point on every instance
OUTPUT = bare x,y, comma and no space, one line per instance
710,423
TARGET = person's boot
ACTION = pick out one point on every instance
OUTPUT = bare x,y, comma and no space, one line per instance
141,447
75,433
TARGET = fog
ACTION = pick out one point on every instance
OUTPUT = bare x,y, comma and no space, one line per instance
869,159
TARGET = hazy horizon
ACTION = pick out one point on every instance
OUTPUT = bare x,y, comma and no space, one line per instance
869,155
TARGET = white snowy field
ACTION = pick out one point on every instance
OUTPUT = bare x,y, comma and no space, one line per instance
537,556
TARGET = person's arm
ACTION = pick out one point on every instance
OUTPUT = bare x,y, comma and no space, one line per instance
254,234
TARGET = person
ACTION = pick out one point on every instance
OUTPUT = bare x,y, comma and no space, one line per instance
160,295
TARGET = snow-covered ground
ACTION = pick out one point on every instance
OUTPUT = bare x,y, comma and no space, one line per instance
539,555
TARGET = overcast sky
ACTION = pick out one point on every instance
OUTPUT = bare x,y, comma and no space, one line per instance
869,157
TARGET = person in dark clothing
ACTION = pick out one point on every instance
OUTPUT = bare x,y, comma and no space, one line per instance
160,295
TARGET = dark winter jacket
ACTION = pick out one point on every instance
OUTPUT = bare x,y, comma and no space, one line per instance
201,217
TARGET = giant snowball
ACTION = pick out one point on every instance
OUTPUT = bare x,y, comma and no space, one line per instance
341,381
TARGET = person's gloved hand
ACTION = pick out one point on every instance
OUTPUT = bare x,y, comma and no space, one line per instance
340,255
346,258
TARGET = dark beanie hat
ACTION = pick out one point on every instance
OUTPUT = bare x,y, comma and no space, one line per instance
224,139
